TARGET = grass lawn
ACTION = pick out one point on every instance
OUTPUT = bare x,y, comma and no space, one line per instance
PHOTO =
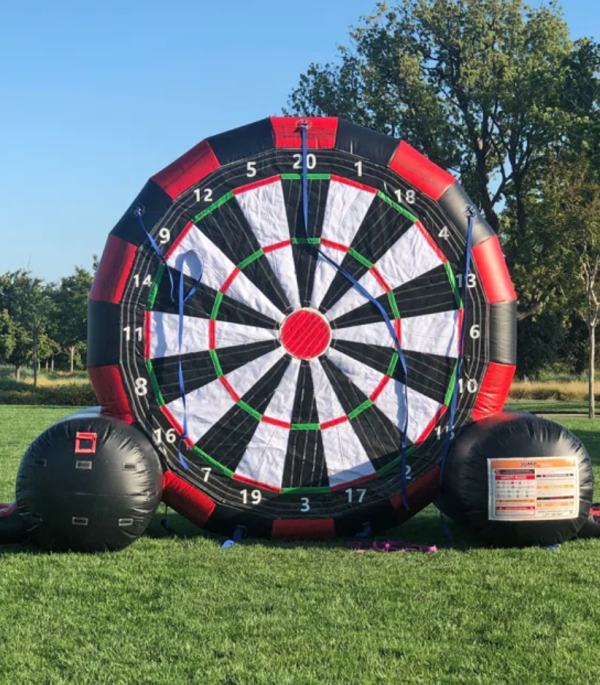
182,610
550,407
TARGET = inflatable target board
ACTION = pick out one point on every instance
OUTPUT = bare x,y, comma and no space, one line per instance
280,310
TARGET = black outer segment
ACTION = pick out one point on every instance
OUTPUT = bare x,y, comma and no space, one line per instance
155,202
243,142
350,137
274,505
104,334
455,203
362,142
503,332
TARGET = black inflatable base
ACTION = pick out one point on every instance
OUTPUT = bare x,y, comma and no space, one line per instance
89,483
464,494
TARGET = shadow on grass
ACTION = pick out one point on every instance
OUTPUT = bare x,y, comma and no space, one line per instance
426,528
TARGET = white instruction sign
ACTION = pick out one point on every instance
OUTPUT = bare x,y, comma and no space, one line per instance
533,489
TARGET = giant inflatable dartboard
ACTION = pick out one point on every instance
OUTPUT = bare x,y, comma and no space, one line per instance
285,373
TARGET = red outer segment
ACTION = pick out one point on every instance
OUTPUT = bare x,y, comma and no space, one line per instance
431,425
256,184
421,172
321,134
353,483
419,494
492,270
186,171
255,483
110,391
186,500
493,391
177,242
303,529
113,270
355,184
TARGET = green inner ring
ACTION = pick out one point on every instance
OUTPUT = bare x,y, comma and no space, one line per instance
219,298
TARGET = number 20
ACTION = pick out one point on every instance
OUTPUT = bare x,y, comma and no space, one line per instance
311,161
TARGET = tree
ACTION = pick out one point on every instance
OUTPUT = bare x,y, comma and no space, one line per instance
69,325
570,212
483,87
28,303
8,339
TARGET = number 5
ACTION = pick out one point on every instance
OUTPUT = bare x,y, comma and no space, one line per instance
251,167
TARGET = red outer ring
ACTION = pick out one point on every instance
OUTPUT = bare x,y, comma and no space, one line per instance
113,271
321,132
186,171
421,172
197,164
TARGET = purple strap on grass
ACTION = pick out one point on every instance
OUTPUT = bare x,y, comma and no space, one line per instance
391,546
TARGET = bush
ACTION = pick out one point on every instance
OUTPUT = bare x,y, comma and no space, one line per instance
556,391
71,395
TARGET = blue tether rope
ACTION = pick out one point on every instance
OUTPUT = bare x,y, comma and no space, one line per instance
459,362
182,299
461,347
304,134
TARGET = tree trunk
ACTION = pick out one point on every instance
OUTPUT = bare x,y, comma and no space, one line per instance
18,373
35,358
72,351
52,364
592,371
46,365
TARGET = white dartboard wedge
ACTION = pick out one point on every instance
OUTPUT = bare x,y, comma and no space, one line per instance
209,403
198,256
265,212
430,333
345,456
264,458
345,212
164,334
392,400
395,268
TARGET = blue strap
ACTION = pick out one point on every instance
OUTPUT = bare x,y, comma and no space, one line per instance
459,362
238,534
138,212
182,299
461,346
304,134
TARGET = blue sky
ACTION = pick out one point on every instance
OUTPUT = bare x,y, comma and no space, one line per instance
96,96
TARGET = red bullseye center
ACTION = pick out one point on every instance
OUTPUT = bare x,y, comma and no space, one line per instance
305,334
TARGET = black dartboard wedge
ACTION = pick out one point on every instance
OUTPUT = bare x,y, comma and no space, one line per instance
284,373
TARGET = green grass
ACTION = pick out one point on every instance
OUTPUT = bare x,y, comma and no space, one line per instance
549,407
178,611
